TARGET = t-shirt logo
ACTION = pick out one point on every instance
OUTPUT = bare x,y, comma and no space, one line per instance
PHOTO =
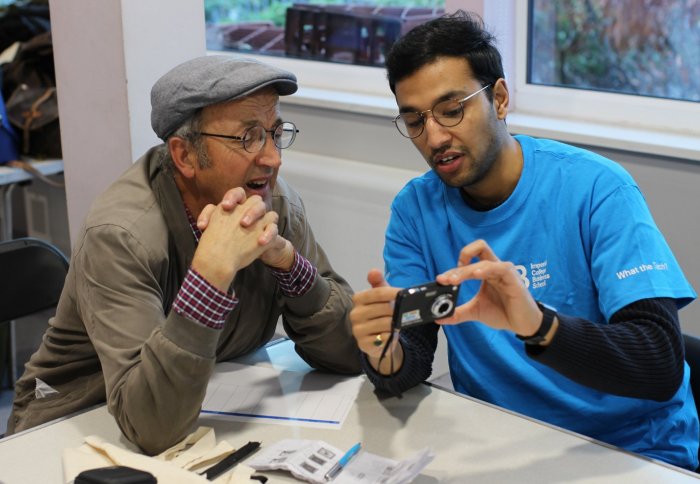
538,275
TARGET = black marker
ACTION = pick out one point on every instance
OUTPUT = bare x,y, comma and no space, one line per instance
231,460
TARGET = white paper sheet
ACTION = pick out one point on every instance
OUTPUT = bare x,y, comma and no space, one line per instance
252,393
310,460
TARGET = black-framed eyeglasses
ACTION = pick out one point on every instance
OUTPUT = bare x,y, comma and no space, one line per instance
254,138
447,113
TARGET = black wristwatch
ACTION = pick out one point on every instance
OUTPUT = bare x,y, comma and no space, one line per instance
547,320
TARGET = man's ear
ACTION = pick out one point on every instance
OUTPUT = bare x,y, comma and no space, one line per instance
501,98
183,155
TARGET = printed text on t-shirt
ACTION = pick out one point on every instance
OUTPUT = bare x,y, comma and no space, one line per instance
633,271
538,273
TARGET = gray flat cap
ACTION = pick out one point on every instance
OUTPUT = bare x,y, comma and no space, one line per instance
209,80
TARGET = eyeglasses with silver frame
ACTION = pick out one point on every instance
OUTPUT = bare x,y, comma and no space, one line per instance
447,113
255,137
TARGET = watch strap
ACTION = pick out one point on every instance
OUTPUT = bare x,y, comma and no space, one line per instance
547,321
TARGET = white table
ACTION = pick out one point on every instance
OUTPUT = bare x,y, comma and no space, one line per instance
473,442
10,177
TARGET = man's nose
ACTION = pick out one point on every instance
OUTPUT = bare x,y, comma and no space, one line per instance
270,155
436,135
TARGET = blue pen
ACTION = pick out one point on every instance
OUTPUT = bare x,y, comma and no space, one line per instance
335,470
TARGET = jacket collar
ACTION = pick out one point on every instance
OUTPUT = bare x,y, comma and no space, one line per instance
182,243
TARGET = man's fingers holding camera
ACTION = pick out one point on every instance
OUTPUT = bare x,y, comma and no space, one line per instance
377,295
478,249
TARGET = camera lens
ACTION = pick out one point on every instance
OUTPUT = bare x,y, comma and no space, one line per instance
442,305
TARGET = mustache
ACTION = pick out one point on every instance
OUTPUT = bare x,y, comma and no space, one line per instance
462,150
439,151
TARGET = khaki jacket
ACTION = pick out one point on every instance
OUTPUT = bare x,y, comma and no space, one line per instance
115,338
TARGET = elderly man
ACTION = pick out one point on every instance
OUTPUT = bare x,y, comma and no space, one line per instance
189,258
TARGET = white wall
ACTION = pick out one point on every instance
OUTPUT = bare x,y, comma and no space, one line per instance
108,54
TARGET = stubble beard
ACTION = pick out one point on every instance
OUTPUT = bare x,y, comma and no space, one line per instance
474,170
477,167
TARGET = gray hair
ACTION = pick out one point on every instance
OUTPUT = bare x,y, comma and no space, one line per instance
189,131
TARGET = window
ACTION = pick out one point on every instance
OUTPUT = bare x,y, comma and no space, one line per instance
545,103
346,31
616,46
624,71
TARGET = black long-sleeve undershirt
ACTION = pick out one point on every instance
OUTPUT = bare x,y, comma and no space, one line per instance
639,354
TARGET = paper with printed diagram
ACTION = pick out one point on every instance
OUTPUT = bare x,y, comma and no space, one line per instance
310,460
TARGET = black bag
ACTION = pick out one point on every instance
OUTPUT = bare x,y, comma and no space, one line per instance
32,107
21,21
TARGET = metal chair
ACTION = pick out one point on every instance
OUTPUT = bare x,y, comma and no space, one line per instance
32,273
692,356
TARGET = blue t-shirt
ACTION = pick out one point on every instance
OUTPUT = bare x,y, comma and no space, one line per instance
582,237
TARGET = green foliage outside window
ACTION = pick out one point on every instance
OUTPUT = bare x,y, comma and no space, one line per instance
644,47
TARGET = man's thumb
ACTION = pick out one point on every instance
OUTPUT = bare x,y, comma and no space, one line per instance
375,277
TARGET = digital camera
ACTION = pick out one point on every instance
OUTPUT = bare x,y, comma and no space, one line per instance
424,304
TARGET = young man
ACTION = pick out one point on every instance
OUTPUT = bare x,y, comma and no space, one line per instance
580,327
189,258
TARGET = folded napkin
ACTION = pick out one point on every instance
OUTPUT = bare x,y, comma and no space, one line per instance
179,464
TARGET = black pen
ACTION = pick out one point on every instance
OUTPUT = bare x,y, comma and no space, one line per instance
229,461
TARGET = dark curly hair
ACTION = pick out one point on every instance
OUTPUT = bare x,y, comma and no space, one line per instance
460,34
